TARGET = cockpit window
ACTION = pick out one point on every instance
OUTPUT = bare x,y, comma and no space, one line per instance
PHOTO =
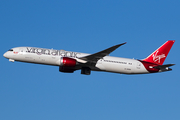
10,50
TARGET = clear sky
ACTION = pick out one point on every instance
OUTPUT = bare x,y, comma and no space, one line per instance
40,92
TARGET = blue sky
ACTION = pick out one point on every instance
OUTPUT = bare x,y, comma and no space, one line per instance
31,91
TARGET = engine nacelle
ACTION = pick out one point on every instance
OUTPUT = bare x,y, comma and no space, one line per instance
66,70
67,62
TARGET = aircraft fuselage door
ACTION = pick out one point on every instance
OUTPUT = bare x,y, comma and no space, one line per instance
138,65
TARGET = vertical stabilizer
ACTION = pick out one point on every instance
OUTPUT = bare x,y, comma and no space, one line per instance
159,55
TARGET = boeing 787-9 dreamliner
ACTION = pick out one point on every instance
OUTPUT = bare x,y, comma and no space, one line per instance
69,62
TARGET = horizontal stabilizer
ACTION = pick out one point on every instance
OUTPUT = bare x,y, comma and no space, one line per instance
164,67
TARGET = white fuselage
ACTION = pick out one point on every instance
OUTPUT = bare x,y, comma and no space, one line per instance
52,57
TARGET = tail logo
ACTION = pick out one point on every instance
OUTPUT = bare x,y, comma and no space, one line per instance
157,57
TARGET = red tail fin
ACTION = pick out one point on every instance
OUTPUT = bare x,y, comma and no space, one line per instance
159,55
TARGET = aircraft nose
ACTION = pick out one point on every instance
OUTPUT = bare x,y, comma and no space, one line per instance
5,55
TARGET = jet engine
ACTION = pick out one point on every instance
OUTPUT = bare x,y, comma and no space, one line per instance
67,64
66,70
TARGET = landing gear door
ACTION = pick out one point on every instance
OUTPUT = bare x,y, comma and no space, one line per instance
21,51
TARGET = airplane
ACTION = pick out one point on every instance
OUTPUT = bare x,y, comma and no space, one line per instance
69,61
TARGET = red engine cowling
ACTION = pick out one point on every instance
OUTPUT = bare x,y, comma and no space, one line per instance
67,62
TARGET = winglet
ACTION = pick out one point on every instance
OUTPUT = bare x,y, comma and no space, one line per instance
111,49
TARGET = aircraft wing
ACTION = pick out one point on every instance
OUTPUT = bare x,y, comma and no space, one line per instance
96,56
